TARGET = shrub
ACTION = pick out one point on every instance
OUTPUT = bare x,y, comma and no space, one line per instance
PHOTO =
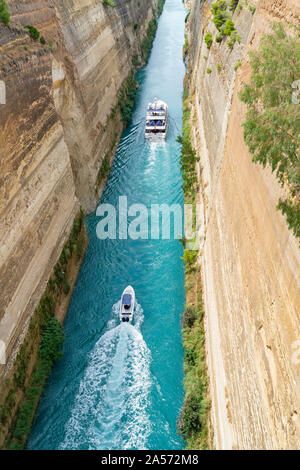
33,32
43,327
104,170
229,27
52,340
271,128
230,43
148,41
220,13
292,213
233,4
49,352
4,13
208,70
127,98
208,40
189,317
190,257
160,7
108,3
190,416
135,61
252,9
185,47
42,40
192,422
224,23
219,68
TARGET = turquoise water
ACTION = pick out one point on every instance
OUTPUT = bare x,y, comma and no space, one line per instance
120,386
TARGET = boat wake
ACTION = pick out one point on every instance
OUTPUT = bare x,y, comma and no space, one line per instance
111,407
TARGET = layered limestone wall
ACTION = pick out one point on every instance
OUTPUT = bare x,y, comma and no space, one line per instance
249,258
55,129
37,191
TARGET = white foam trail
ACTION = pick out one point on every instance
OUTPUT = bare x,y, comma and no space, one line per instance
111,407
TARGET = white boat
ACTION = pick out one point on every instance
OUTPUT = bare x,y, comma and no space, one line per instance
156,121
127,305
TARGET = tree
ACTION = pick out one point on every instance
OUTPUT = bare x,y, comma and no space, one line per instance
34,33
271,128
4,13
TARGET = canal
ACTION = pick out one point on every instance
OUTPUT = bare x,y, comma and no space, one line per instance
120,386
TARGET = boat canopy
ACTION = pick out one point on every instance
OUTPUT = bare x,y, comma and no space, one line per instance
126,300
155,123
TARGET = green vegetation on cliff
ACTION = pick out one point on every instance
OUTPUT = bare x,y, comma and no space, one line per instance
194,417
160,7
49,351
223,22
4,13
127,97
148,41
271,128
108,3
193,420
151,31
40,349
128,90
33,32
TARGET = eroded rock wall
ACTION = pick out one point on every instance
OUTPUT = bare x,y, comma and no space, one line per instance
249,258
55,129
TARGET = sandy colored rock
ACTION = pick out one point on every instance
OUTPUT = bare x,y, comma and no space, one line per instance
250,260
55,129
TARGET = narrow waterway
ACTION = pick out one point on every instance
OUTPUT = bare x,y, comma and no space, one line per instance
120,386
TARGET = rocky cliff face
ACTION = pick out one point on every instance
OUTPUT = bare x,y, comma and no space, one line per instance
249,258
55,128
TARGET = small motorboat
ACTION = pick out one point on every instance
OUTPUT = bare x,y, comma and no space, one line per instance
127,305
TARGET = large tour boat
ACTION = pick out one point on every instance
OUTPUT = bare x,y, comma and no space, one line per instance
156,121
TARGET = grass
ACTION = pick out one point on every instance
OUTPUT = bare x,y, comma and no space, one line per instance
193,420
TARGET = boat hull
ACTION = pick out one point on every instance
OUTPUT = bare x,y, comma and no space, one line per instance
127,305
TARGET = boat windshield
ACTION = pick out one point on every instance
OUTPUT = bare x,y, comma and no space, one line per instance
126,300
